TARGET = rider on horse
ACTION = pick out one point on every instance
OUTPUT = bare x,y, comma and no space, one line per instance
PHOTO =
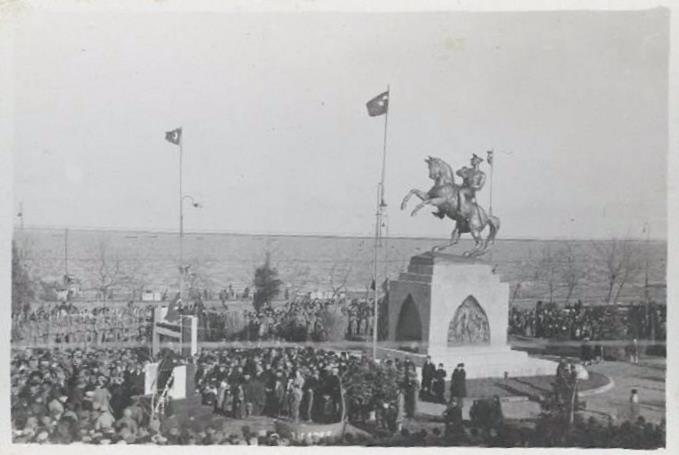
473,179
458,202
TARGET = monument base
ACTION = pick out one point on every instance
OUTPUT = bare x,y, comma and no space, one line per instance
481,362
456,310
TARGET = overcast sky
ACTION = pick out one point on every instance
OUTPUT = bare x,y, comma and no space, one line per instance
276,134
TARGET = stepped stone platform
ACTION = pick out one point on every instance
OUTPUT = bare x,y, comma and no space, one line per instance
456,309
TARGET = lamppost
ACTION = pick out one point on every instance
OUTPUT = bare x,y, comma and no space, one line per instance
182,270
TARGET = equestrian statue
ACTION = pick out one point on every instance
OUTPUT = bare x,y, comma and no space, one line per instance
458,202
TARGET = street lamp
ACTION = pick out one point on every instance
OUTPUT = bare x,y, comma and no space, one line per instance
181,239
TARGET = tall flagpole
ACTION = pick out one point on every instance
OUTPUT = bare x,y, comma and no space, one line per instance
66,254
181,219
491,162
647,295
378,224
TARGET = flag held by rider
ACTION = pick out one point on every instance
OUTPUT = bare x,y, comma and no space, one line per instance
378,105
174,136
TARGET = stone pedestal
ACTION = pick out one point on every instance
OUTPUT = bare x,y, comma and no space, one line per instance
456,310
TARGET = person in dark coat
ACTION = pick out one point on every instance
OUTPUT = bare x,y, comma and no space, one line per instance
453,419
259,395
458,383
332,388
428,372
439,384
135,381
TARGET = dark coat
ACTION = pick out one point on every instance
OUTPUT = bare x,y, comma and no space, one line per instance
331,386
439,385
428,371
458,383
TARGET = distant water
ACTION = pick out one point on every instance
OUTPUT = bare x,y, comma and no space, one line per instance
312,262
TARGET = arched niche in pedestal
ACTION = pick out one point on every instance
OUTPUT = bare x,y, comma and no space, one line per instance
409,326
469,325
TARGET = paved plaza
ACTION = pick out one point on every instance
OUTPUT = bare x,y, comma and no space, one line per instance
606,393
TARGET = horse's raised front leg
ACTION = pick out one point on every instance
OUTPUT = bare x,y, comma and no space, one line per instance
421,194
434,201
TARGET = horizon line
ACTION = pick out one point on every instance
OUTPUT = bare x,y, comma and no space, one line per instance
308,234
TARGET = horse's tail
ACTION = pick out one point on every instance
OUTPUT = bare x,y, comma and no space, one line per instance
494,223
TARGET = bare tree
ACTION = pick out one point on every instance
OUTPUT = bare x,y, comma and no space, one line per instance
198,279
572,272
338,278
620,261
109,273
548,270
299,275
136,278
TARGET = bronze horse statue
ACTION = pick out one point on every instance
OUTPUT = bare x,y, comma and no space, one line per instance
458,203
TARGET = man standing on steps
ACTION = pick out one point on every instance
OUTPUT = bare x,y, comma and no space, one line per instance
458,383
428,371
439,385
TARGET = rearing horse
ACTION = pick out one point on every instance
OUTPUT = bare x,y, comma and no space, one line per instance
446,196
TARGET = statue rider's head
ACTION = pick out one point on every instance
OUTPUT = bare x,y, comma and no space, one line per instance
476,160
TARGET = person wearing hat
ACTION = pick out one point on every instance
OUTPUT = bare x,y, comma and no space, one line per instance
332,387
428,372
473,180
439,384
458,383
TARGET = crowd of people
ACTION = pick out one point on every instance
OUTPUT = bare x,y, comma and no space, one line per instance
299,319
67,395
94,394
292,382
596,322
67,323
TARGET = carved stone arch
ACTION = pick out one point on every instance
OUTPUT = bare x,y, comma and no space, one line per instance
409,326
469,325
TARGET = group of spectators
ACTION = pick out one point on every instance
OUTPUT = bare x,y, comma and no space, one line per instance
299,319
228,293
96,395
67,323
434,382
68,395
596,322
301,384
